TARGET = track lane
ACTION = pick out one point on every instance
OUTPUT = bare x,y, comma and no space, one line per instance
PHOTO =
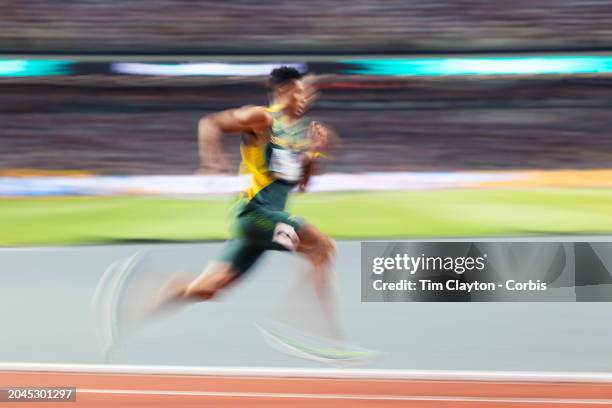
135,390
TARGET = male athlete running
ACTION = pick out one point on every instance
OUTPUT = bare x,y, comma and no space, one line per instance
279,150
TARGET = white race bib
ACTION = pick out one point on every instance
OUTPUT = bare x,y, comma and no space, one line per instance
286,165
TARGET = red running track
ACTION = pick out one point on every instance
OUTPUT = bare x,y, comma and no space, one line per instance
174,390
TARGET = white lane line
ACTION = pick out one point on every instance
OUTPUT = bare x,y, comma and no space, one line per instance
362,397
263,372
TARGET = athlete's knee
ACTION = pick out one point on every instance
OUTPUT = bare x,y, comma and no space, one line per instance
329,250
322,253
202,291
200,294
327,246
332,247
214,278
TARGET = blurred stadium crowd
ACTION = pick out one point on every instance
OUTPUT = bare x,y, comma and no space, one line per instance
121,124
239,26
127,125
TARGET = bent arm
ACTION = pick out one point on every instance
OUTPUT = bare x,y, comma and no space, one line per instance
322,140
212,127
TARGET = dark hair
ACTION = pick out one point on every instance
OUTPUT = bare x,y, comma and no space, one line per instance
283,75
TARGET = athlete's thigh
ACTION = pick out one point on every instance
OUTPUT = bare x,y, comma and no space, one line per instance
241,254
272,229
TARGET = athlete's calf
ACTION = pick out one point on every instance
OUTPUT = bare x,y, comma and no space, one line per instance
320,250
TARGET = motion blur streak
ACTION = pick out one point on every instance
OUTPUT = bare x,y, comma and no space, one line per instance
26,68
541,64
213,69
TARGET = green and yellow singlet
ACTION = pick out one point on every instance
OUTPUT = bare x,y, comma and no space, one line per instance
277,166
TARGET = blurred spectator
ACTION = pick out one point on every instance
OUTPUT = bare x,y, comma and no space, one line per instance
148,126
239,26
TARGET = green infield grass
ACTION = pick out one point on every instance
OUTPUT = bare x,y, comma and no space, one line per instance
376,215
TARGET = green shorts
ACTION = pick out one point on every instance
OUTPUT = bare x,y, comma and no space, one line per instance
257,230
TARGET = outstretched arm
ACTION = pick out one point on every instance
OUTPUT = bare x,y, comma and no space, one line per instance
212,127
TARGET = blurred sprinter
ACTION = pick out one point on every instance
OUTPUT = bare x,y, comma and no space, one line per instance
280,149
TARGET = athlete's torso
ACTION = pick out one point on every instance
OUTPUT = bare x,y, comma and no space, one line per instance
275,166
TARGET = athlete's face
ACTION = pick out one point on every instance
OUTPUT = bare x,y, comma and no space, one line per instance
296,98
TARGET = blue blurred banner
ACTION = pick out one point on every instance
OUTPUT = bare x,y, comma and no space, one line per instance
482,66
524,65
27,68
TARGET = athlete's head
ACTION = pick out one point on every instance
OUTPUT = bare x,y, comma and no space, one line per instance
289,89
